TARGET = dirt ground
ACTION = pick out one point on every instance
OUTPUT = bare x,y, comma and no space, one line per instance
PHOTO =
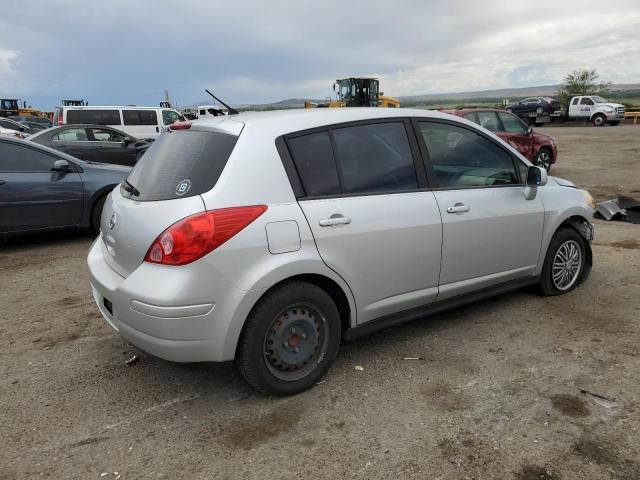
496,393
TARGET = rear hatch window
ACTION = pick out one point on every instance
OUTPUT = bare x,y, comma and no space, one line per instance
180,164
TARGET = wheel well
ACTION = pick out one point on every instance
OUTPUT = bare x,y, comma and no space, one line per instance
331,287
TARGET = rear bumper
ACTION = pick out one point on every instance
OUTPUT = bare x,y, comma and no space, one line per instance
182,314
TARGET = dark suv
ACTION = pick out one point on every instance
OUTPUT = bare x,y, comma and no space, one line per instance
538,148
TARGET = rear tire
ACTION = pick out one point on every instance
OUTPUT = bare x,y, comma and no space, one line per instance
96,214
290,339
599,120
564,264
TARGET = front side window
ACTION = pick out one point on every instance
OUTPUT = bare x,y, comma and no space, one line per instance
169,117
374,158
489,120
512,124
18,158
313,157
461,158
139,117
71,135
104,135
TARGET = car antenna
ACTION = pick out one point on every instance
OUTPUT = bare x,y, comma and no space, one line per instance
232,111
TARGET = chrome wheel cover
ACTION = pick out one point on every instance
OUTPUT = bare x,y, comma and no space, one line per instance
566,266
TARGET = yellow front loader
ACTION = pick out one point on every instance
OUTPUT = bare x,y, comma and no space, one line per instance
357,92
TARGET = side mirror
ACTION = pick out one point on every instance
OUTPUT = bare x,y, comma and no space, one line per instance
536,176
61,166
529,131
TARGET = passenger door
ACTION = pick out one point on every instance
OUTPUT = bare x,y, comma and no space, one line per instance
491,232
514,132
110,147
32,196
373,220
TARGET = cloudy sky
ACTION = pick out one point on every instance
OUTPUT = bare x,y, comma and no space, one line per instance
128,52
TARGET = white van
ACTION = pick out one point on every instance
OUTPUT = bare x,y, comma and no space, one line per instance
139,122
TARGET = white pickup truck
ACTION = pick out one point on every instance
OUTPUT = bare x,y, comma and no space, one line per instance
592,108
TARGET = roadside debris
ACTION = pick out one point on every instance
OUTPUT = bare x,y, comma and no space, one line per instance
600,400
623,208
132,360
359,368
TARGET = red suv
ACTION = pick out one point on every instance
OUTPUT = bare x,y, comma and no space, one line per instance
538,148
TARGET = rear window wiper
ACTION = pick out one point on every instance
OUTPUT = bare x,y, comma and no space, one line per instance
128,187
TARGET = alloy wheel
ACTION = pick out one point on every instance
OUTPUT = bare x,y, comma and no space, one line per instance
567,264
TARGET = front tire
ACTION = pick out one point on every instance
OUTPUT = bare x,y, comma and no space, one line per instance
290,339
599,120
564,264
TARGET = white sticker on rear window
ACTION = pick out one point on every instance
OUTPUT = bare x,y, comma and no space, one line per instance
183,187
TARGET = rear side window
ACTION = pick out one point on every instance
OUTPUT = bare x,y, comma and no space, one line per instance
489,120
180,164
314,161
375,158
99,117
139,117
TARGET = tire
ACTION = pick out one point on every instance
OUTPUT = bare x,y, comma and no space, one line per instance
539,111
509,110
613,123
543,158
599,120
565,240
290,339
96,213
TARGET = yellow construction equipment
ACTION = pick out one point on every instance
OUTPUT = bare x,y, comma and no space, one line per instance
357,92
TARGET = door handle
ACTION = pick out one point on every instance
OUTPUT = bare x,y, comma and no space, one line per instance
335,219
458,208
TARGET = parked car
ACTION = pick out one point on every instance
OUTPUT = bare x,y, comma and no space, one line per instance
42,188
269,237
139,122
538,148
534,106
95,143
8,132
33,119
34,127
13,125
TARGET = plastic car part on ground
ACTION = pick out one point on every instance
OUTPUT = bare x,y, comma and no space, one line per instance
623,208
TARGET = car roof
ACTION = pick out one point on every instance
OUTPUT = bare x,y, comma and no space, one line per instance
281,122
99,107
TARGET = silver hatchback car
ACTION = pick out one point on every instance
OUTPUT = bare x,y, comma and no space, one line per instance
267,238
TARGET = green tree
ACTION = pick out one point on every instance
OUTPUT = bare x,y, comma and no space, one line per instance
581,82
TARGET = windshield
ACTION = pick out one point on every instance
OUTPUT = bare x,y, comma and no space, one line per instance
598,99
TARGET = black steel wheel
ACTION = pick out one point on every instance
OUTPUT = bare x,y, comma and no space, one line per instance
290,339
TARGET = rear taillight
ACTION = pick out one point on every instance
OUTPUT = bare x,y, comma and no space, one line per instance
193,237
60,120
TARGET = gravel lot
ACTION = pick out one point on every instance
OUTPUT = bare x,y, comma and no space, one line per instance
496,395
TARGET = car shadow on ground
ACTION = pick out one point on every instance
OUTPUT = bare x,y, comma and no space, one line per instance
17,242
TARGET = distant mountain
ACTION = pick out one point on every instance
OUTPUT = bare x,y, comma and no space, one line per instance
496,94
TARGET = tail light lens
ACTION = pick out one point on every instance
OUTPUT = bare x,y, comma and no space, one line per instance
197,235
60,120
